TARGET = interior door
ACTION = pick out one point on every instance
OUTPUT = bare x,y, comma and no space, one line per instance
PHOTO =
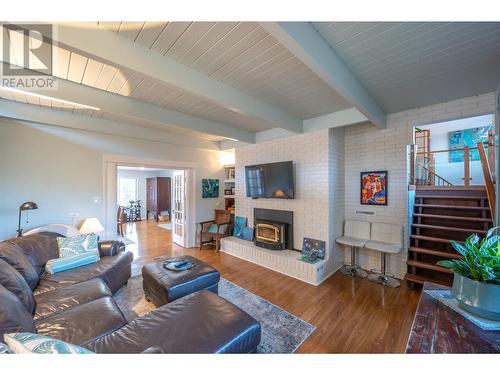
179,211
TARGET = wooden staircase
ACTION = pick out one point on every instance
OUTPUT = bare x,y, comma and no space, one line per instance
440,215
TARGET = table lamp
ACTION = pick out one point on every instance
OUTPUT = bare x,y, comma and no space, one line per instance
91,225
25,207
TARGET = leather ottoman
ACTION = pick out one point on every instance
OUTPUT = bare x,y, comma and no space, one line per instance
162,286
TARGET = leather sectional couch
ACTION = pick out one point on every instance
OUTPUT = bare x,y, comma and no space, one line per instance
76,306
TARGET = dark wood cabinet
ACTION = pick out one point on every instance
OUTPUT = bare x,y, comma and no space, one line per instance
158,196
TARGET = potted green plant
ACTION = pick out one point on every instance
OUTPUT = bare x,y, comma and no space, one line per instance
476,282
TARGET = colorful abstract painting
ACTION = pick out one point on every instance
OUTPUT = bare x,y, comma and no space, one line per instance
374,188
209,188
459,139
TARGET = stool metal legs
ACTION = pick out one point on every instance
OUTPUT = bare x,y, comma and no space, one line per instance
382,278
352,269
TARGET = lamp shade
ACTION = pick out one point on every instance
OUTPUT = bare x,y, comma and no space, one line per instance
91,225
28,206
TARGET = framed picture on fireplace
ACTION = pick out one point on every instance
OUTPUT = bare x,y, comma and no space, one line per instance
312,250
373,188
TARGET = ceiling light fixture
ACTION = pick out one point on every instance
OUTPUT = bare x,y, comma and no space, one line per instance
32,94
231,139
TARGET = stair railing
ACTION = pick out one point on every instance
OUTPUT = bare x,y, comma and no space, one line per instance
425,164
488,178
435,179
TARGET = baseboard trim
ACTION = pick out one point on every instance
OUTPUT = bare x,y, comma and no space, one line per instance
335,269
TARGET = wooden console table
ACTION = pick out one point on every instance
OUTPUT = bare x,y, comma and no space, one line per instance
438,329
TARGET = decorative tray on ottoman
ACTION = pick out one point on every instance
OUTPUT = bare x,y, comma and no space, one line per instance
178,264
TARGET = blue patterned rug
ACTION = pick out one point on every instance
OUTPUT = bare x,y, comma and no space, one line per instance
282,332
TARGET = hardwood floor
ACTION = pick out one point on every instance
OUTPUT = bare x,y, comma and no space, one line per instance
351,315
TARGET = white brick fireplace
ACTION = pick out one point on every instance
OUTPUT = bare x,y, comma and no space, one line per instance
317,156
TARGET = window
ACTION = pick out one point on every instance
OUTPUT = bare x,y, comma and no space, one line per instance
127,190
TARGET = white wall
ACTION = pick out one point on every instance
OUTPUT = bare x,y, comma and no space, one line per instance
141,177
439,140
62,170
369,148
318,209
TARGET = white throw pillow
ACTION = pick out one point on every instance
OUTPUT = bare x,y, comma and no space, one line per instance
62,229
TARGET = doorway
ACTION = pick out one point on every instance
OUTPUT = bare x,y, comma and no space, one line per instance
153,193
150,203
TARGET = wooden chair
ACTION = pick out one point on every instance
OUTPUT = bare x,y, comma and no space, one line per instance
215,229
120,219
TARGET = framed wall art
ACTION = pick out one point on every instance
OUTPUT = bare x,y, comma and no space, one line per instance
374,188
210,188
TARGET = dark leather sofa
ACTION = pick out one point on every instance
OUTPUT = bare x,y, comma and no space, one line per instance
77,306
74,305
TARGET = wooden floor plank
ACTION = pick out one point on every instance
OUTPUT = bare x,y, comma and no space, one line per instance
351,315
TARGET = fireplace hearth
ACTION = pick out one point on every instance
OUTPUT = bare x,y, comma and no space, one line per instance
273,229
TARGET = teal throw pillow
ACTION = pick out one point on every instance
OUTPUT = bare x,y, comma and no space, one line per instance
70,246
74,261
4,349
213,229
27,343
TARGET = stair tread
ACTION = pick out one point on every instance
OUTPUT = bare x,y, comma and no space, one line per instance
450,229
429,266
463,197
451,206
465,218
421,279
439,253
433,239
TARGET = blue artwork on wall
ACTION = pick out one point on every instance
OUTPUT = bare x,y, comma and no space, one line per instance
210,188
458,139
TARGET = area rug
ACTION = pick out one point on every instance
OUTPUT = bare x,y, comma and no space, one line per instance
167,226
282,332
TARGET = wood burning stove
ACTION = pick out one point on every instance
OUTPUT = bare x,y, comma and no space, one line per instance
270,235
273,229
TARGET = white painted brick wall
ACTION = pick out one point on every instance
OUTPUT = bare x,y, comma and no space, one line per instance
309,152
319,180
368,148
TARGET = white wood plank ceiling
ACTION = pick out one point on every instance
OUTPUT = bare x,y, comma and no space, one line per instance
77,68
18,97
406,65
242,55
402,65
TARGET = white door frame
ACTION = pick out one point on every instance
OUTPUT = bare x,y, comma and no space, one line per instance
110,163
179,197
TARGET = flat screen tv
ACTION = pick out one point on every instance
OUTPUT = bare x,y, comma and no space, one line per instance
274,180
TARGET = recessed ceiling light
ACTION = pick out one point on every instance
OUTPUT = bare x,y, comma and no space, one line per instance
35,95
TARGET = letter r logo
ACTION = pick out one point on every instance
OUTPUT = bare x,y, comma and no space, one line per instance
27,49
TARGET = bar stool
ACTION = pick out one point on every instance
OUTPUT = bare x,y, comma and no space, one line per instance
356,234
386,239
